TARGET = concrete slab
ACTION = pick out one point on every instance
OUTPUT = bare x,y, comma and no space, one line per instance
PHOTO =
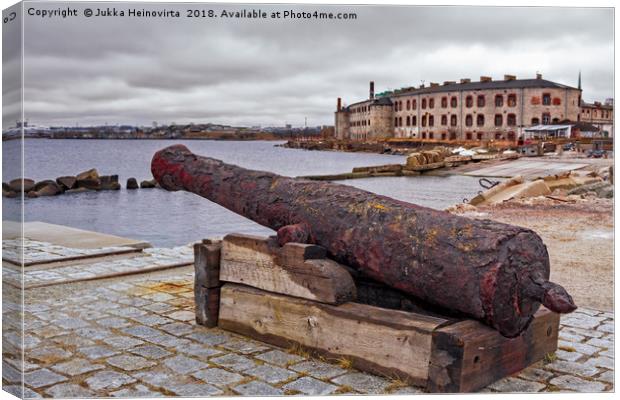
526,168
67,236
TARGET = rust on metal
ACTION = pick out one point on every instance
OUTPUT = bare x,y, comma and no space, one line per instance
490,271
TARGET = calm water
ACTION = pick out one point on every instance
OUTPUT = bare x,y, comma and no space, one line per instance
173,218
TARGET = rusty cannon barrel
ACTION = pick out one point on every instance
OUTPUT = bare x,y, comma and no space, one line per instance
493,272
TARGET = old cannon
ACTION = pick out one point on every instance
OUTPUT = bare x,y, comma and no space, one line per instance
493,272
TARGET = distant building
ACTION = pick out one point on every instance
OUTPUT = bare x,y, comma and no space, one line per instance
599,115
484,110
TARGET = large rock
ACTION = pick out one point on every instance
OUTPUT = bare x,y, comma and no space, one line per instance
148,184
41,184
89,180
78,190
46,188
132,183
67,182
7,191
17,185
109,182
90,174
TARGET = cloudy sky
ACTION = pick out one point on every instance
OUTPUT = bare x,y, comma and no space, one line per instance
245,72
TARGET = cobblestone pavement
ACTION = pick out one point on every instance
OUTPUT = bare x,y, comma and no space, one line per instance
134,262
137,337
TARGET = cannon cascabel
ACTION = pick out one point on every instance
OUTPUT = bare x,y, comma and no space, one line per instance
493,272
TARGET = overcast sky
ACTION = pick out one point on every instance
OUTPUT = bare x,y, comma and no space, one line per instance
128,70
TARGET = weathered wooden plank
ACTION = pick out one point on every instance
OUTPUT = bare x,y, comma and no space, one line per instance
294,269
207,305
207,264
467,355
386,342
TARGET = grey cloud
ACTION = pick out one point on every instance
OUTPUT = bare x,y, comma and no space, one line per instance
270,72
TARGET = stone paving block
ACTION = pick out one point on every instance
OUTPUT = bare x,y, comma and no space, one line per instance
69,390
199,351
361,382
256,388
158,296
310,386
607,376
127,312
602,343
11,374
122,342
244,346
94,333
279,357
234,362
20,365
99,351
177,328
182,315
217,376
42,377
580,321
607,353
152,320
606,327
589,333
73,339
568,355
535,374
516,385
166,340
158,377
184,365
76,366
136,391
270,373
70,323
570,336
211,338
108,380
21,392
141,331
48,354
603,362
129,363
150,351
194,390
580,347
574,368
159,308
569,382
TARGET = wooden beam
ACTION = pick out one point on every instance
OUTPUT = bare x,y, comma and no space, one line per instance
392,343
295,269
207,282
467,355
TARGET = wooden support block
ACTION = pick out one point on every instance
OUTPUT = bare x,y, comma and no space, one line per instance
386,342
207,265
207,305
294,269
467,355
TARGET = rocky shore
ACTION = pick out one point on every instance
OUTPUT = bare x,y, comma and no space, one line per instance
86,181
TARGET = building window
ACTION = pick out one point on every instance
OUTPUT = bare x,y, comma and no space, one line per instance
468,135
415,121
408,105
546,118
408,120
498,136
480,101
557,101
430,135
423,135
424,120
469,121
546,99
400,121
453,120
499,100
453,102
479,135
415,104
480,120
535,121
431,103
444,102
424,104
555,120
443,136
444,119
431,120
395,121
511,120
469,102
499,119
512,100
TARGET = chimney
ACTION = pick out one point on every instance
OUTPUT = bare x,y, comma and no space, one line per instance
486,79
339,106
446,83
538,76
465,80
509,77
433,84
372,89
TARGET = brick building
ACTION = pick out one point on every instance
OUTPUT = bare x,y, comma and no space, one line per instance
484,110
600,115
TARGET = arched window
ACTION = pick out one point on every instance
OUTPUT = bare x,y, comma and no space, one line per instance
535,121
546,99
453,102
408,120
408,105
400,121
511,120
431,103
415,104
469,102
480,120
430,135
444,120
395,121
424,104
424,120
415,121
431,120
546,118
499,119
444,102
499,100
512,100
480,101
555,120
443,136
453,120
423,135
469,121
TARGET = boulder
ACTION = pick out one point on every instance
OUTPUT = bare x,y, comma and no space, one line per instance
132,183
92,184
148,184
41,184
17,185
109,182
32,194
47,188
7,191
67,182
78,190
90,174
